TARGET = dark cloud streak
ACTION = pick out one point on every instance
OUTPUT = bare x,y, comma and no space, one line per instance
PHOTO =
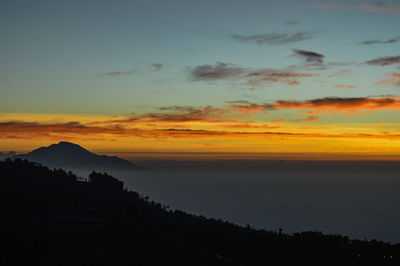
309,56
292,22
223,71
219,71
157,66
274,38
384,61
392,40
119,73
333,104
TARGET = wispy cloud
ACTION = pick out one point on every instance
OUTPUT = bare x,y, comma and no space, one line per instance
339,73
370,8
313,61
237,110
22,127
334,104
157,66
376,41
216,72
250,126
119,73
254,77
342,86
384,61
238,102
318,66
293,22
394,79
186,114
76,130
290,78
275,38
309,56
246,108
311,118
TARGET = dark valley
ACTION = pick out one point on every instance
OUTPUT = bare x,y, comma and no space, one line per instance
53,217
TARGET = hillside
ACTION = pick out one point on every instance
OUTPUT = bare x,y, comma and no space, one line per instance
52,217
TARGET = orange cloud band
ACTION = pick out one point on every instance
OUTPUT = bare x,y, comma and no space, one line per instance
29,130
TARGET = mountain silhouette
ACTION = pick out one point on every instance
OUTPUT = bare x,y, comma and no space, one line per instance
72,156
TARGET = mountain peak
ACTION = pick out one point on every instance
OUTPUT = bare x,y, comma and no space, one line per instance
66,143
68,148
70,155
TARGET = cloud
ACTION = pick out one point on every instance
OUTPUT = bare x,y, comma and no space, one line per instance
224,71
234,110
290,78
392,40
238,109
185,114
75,130
370,8
379,3
349,87
219,71
318,112
250,126
318,66
274,38
310,57
384,61
334,104
246,107
119,73
310,118
339,73
238,102
48,130
157,66
292,22
177,108
393,79
313,61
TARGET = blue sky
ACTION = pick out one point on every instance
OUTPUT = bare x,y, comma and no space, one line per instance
59,49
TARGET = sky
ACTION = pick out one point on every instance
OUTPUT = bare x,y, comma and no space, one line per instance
221,76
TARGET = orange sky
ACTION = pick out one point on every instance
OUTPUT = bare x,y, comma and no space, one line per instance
228,129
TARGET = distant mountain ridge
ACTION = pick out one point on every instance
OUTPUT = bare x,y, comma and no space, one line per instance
72,156
9,154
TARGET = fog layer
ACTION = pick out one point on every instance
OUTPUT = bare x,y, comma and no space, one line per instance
358,199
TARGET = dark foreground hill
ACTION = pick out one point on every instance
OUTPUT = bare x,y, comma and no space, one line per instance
68,155
51,217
